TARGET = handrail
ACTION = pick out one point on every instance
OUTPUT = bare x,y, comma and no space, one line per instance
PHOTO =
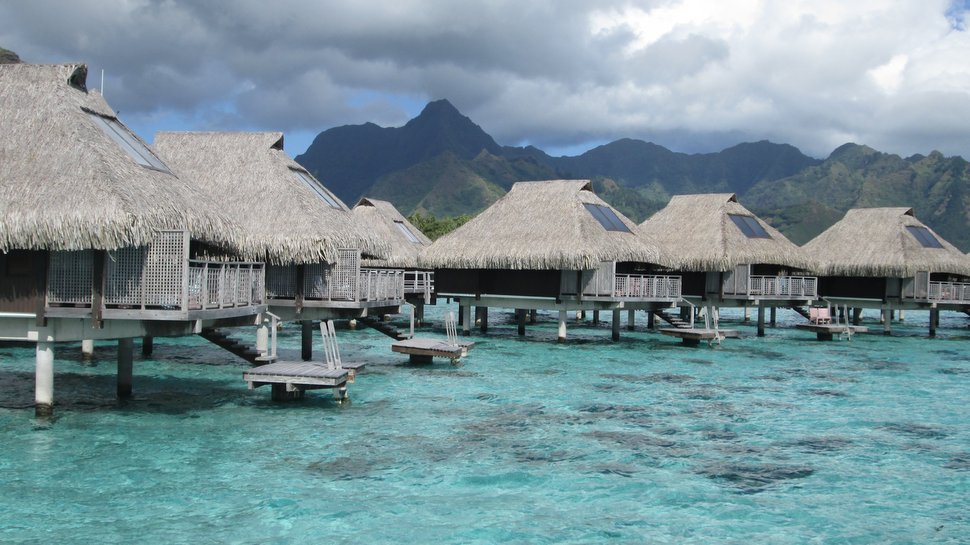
641,286
782,286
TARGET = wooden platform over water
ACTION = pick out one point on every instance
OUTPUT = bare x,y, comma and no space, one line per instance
825,332
693,337
290,379
423,350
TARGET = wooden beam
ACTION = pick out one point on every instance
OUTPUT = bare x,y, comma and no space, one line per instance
99,262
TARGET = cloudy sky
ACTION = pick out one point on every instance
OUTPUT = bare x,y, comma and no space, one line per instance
563,75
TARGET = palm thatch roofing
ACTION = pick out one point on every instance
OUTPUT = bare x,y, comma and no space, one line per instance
539,226
698,234
383,219
67,185
274,198
876,242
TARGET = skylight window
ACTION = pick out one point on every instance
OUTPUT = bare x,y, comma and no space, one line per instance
607,217
317,188
924,236
749,226
128,142
407,232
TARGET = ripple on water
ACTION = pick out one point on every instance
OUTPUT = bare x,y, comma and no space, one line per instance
751,478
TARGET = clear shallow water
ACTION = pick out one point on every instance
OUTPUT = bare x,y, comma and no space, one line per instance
776,440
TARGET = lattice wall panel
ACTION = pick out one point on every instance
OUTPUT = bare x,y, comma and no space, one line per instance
123,276
346,274
165,268
316,281
69,278
280,281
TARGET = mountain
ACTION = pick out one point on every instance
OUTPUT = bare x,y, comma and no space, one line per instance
857,176
444,164
351,159
8,57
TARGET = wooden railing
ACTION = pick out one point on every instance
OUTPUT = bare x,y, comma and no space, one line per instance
381,285
214,284
783,287
956,292
636,286
419,282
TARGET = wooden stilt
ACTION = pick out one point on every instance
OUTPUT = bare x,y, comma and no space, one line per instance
483,319
147,345
44,379
747,314
306,338
126,350
520,318
596,317
934,320
616,324
772,316
562,326
262,338
887,321
856,315
651,320
761,320
631,319
532,316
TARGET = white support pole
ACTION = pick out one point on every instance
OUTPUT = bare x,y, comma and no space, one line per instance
126,349
262,338
44,379
87,349
466,320
562,325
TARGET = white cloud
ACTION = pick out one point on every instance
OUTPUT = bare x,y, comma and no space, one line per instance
692,75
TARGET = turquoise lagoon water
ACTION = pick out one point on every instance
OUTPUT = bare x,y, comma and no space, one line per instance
780,439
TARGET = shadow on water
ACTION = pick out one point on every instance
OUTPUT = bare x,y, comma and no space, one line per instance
752,478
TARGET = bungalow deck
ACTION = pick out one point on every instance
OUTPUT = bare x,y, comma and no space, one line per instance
290,379
423,350
825,332
693,337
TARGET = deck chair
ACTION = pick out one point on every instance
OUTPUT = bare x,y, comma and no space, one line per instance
819,315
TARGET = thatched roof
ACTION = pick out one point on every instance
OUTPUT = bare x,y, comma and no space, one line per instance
66,185
383,219
697,233
261,186
539,225
876,242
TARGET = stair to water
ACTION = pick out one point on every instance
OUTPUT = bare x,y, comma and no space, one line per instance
384,328
802,311
240,349
672,319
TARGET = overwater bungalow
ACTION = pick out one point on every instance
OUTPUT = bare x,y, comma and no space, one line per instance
886,259
550,245
98,238
727,256
313,245
406,243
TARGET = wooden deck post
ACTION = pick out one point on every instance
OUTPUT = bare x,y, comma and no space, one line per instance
483,319
87,349
887,328
532,316
902,315
651,320
772,319
596,317
631,319
761,319
520,318
307,340
562,325
934,321
147,345
126,350
856,315
616,324
419,313
44,379
466,318
747,313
